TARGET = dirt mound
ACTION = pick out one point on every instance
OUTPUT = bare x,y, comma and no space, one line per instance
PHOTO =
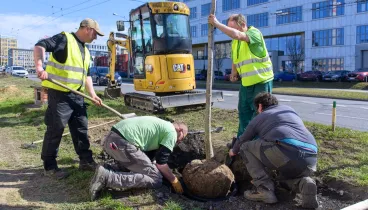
191,148
208,179
9,89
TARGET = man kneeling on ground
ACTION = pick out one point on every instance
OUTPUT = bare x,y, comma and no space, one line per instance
283,144
128,142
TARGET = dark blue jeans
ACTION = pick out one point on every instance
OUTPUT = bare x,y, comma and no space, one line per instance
65,108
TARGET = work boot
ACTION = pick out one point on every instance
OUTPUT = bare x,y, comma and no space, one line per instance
308,189
87,166
261,194
98,182
56,173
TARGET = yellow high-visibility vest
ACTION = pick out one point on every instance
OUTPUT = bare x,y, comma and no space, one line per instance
73,72
251,68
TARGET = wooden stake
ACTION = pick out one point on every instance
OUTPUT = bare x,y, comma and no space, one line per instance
334,116
208,117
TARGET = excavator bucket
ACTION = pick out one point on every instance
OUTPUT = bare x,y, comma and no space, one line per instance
112,93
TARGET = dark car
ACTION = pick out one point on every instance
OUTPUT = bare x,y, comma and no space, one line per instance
358,76
336,76
284,76
200,77
99,74
227,74
219,75
310,76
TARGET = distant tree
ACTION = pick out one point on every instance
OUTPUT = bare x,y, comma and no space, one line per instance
296,53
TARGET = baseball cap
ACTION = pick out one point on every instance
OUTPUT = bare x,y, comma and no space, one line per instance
88,22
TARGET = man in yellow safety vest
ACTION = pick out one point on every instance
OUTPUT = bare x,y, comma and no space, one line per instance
250,62
68,64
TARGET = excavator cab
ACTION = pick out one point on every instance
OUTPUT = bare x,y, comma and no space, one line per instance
161,48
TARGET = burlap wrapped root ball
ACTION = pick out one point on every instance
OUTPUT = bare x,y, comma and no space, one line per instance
208,179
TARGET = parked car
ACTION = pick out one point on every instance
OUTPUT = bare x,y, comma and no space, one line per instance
18,71
284,76
200,77
358,76
118,78
227,74
337,76
98,74
310,76
31,71
219,75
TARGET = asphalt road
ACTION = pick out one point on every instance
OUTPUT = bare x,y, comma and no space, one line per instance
350,114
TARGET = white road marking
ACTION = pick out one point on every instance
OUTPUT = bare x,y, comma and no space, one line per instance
228,94
308,102
359,118
284,100
362,107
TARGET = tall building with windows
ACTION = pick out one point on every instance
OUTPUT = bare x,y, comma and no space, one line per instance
322,34
21,57
6,43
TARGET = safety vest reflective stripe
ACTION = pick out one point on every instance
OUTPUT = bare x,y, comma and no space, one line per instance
65,67
63,79
255,72
253,60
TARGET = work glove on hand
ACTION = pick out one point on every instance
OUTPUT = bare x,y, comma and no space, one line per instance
177,186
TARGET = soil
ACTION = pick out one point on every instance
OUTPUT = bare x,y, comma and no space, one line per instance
191,148
24,187
208,179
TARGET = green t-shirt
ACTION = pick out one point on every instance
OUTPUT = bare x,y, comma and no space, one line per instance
256,44
148,133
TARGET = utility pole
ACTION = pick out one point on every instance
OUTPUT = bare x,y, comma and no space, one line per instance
208,117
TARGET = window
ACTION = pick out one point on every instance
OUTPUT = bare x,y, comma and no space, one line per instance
328,8
289,15
328,64
204,29
193,31
362,34
200,54
205,9
285,44
258,20
193,13
223,50
230,4
328,37
362,6
253,2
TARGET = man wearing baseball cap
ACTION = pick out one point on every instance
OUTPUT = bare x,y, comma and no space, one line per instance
68,63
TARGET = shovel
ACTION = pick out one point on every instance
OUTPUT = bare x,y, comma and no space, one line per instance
123,116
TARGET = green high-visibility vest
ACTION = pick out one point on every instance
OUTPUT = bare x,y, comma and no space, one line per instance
73,72
251,68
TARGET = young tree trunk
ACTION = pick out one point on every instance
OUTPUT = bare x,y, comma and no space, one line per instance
208,118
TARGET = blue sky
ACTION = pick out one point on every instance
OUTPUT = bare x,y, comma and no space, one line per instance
30,20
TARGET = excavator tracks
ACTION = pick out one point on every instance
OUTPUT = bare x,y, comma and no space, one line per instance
159,103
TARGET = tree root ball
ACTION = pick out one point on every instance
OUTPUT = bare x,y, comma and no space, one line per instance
208,179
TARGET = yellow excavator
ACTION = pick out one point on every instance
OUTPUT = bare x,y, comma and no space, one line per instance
160,47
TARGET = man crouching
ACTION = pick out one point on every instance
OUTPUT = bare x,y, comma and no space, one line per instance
127,143
283,144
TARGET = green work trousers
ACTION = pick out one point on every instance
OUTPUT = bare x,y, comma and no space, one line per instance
246,107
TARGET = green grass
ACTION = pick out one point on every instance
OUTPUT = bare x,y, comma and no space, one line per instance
322,93
172,205
342,154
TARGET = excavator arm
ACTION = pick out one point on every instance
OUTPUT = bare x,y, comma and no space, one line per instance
111,45
112,90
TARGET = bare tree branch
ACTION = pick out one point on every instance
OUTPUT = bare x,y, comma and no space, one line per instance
296,53
219,57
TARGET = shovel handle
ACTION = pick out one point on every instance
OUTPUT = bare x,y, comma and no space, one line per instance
88,97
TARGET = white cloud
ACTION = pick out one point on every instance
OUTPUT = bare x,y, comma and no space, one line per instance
28,29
